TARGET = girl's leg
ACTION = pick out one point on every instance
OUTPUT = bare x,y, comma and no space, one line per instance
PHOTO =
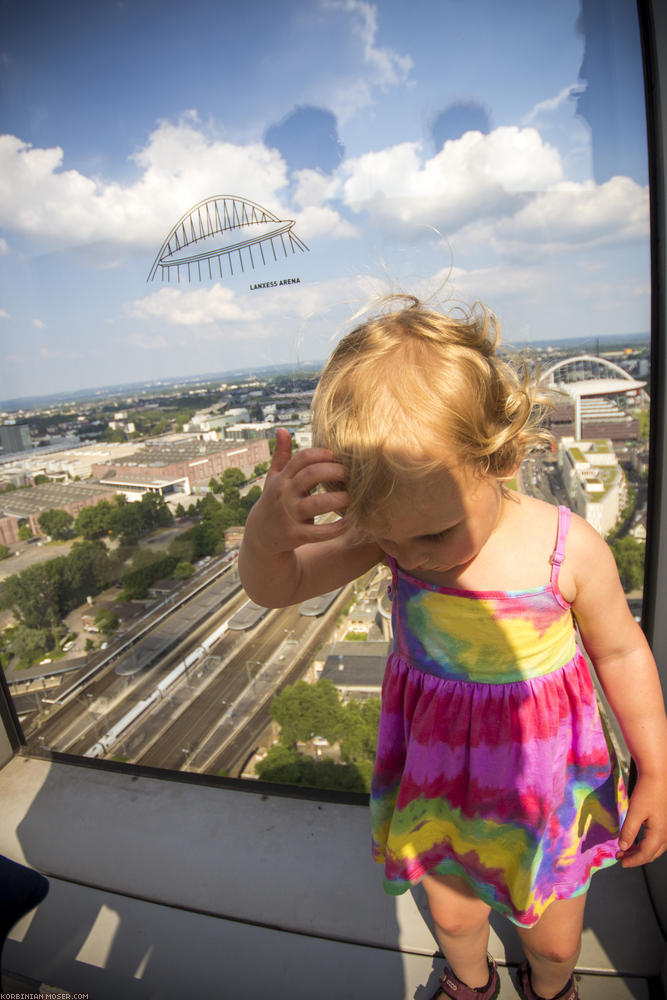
552,946
461,926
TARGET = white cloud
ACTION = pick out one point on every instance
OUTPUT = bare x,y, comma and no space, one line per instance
574,214
381,67
312,187
192,308
4,246
476,175
320,220
180,165
552,104
4,314
39,324
217,312
504,190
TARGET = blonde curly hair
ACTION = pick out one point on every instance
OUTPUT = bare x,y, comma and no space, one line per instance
410,390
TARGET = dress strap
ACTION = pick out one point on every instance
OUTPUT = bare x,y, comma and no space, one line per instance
558,554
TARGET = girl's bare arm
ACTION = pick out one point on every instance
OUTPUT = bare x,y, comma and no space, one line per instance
285,557
627,671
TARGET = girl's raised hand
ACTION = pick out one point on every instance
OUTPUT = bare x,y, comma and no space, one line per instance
284,516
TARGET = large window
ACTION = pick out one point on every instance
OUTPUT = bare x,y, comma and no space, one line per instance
194,202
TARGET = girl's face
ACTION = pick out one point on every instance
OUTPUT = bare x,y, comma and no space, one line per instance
443,523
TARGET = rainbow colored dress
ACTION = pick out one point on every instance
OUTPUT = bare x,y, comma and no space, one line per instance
493,762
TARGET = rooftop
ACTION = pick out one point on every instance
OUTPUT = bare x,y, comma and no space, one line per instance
181,451
36,499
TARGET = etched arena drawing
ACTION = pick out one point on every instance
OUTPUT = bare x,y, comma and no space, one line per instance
224,235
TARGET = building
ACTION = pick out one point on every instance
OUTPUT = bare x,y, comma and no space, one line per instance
14,437
74,461
250,431
581,388
20,507
205,421
594,481
356,668
599,417
184,465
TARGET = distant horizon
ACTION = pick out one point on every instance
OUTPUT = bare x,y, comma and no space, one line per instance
88,393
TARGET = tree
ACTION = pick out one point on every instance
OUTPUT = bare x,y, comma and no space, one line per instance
154,512
106,621
231,496
30,644
34,594
288,767
250,499
126,523
306,710
180,510
25,533
183,570
359,729
93,521
40,595
4,552
183,548
137,581
261,469
629,556
208,507
117,435
56,523
232,477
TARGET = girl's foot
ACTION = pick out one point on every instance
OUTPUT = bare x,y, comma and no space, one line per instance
450,986
569,991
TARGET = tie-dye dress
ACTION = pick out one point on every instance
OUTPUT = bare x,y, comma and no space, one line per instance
493,762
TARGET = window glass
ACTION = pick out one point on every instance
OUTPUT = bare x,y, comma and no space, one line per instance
194,203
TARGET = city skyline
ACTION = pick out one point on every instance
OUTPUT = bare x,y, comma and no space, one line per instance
437,150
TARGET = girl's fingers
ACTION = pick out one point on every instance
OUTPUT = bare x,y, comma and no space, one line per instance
308,457
282,451
324,532
321,503
319,472
629,832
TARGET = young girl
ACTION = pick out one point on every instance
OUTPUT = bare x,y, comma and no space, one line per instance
495,783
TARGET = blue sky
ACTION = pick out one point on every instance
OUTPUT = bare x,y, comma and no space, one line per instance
438,147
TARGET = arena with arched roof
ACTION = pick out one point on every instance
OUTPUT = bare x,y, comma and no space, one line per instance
588,381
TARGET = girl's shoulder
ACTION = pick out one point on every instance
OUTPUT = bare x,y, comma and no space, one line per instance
530,519
517,555
585,551
531,532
